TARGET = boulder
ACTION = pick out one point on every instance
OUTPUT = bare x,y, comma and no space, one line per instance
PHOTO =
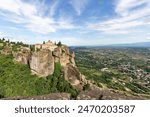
90,95
21,58
42,63
73,76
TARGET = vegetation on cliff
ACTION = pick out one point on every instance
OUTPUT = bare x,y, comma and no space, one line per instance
16,80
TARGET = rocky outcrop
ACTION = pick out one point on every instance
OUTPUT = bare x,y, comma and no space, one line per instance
41,59
6,50
64,60
42,63
72,59
74,77
62,55
22,56
105,94
94,94
57,52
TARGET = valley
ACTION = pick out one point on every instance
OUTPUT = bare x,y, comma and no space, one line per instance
123,69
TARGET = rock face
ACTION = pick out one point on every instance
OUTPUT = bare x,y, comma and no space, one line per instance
41,59
6,50
57,52
42,63
23,56
72,75
72,59
105,94
64,60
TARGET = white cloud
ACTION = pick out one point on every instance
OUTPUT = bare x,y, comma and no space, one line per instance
18,7
124,7
64,23
53,7
29,15
3,35
41,25
131,14
79,5
116,26
10,5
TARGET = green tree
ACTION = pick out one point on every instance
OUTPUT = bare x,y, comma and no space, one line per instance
59,44
57,70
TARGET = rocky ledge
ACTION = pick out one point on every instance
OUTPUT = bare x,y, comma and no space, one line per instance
95,94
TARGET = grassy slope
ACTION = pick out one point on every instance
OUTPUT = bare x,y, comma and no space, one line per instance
16,80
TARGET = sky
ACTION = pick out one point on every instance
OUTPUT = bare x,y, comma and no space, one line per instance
75,22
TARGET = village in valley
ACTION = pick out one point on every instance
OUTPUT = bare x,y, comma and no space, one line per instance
126,69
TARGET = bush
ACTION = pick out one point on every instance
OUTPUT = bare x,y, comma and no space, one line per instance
86,87
145,89
105,77
32,48
57,70
134,88
1,93
116,86
59,44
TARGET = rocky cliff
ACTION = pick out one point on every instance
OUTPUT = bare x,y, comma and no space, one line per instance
42,58
22,56
42,63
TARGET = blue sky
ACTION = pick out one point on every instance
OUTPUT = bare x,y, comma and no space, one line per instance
76,22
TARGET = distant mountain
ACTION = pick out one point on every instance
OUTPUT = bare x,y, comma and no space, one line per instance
141,44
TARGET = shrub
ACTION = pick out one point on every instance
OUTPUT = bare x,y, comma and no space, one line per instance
59,44
1,93
57,70
86,87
